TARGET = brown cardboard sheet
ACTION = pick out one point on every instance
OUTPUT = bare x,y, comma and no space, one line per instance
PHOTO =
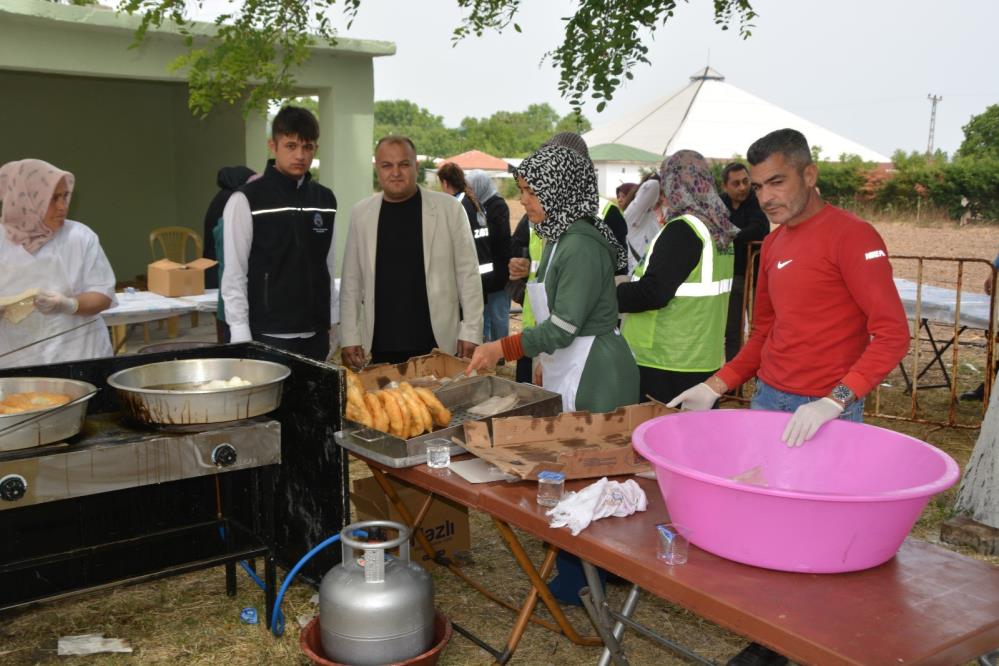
580,444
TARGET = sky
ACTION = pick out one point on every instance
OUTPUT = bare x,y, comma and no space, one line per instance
862,69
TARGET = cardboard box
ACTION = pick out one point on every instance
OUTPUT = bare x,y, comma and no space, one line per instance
446,524
425,371
168,278
580,444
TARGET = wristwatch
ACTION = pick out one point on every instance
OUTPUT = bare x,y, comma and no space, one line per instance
842,394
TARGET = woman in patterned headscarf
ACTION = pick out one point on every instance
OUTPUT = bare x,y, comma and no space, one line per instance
54,276
677,301
583,356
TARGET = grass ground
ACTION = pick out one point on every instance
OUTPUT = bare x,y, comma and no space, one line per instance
189,619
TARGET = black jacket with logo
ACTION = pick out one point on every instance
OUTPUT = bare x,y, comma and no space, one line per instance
288,283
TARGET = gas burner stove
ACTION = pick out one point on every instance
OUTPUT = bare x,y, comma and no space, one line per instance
113,453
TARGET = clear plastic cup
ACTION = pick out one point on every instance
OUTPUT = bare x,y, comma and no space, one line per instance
551,485
438,453
672,543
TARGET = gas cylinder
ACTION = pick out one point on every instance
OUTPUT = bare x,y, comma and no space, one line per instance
376,609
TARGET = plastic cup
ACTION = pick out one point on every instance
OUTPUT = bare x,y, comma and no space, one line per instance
438,453
551,485
672,543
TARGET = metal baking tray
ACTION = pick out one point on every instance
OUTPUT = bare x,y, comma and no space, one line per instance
457,396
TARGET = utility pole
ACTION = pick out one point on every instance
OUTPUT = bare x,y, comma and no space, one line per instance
933,120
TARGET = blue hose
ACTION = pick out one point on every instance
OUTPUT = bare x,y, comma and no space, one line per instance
277,617
277,629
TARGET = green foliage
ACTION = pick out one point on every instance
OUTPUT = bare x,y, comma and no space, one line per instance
604,39
504,134
425,129
257,45
964,186
842,183
981,136
255,48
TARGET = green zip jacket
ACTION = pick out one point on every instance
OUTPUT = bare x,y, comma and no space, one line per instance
582,300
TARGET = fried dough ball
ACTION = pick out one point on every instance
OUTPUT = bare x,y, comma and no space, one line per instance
418,407
399,419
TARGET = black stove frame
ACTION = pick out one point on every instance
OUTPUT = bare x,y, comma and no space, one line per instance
276,512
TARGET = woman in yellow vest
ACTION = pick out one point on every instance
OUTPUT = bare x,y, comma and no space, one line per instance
677,300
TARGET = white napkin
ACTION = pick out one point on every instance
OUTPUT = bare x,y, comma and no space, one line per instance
598,500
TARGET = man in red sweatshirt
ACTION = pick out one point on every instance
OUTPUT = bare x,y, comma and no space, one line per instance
828,324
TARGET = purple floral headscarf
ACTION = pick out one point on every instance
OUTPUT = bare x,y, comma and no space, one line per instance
689,188
26,188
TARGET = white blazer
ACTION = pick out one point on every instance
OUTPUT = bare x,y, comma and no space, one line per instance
449,261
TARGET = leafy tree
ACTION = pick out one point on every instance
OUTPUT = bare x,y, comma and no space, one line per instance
426,130
981,135
260,42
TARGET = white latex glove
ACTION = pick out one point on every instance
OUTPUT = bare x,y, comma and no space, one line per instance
696,399
807,420
49,302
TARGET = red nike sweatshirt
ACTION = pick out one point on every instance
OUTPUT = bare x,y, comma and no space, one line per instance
826,309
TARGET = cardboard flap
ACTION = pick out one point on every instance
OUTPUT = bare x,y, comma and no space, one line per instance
165,265
436,363
201,263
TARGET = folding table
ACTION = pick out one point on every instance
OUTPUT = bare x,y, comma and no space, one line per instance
927,605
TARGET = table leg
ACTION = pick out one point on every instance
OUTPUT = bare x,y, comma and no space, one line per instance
537,578
445,562
595,604
119,333
173,326
626,611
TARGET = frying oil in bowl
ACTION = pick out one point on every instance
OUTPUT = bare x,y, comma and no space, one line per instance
214,384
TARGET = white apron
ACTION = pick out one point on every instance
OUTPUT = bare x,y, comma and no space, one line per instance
561,370
25,271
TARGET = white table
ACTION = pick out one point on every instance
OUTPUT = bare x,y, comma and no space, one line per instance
939,305
141,307
206,302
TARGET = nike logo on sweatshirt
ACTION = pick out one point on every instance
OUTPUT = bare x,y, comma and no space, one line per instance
782,264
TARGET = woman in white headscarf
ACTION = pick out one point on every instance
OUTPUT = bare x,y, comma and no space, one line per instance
54,276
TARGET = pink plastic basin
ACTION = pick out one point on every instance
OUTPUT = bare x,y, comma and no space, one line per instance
843,501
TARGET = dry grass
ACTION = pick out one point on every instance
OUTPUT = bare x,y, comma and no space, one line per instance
190,620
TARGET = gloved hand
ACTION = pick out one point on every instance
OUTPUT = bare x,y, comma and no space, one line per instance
807,420
49,302
696,399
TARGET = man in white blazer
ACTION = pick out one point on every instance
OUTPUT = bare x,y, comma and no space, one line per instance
410,277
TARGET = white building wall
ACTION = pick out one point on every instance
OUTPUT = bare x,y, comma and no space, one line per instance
612,174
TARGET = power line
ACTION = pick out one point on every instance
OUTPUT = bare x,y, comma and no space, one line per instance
933,120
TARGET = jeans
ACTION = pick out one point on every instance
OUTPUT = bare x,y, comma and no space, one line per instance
496,316
772,399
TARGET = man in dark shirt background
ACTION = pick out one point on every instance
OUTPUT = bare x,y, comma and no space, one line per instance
410,271
745,213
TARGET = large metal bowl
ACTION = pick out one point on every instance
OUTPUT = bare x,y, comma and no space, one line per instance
159,393
59,425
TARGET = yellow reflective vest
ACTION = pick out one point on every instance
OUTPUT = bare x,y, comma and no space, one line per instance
688,335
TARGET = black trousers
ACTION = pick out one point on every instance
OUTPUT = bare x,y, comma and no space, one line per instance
664,385
316,347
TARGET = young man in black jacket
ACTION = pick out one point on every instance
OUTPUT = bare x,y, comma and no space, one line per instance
278,285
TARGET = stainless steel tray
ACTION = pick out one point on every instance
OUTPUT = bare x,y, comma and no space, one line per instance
61,424
158,392
458,396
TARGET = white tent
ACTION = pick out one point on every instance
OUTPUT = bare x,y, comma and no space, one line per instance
719,121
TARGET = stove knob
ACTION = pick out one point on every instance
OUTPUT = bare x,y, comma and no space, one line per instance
13,487
224,455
